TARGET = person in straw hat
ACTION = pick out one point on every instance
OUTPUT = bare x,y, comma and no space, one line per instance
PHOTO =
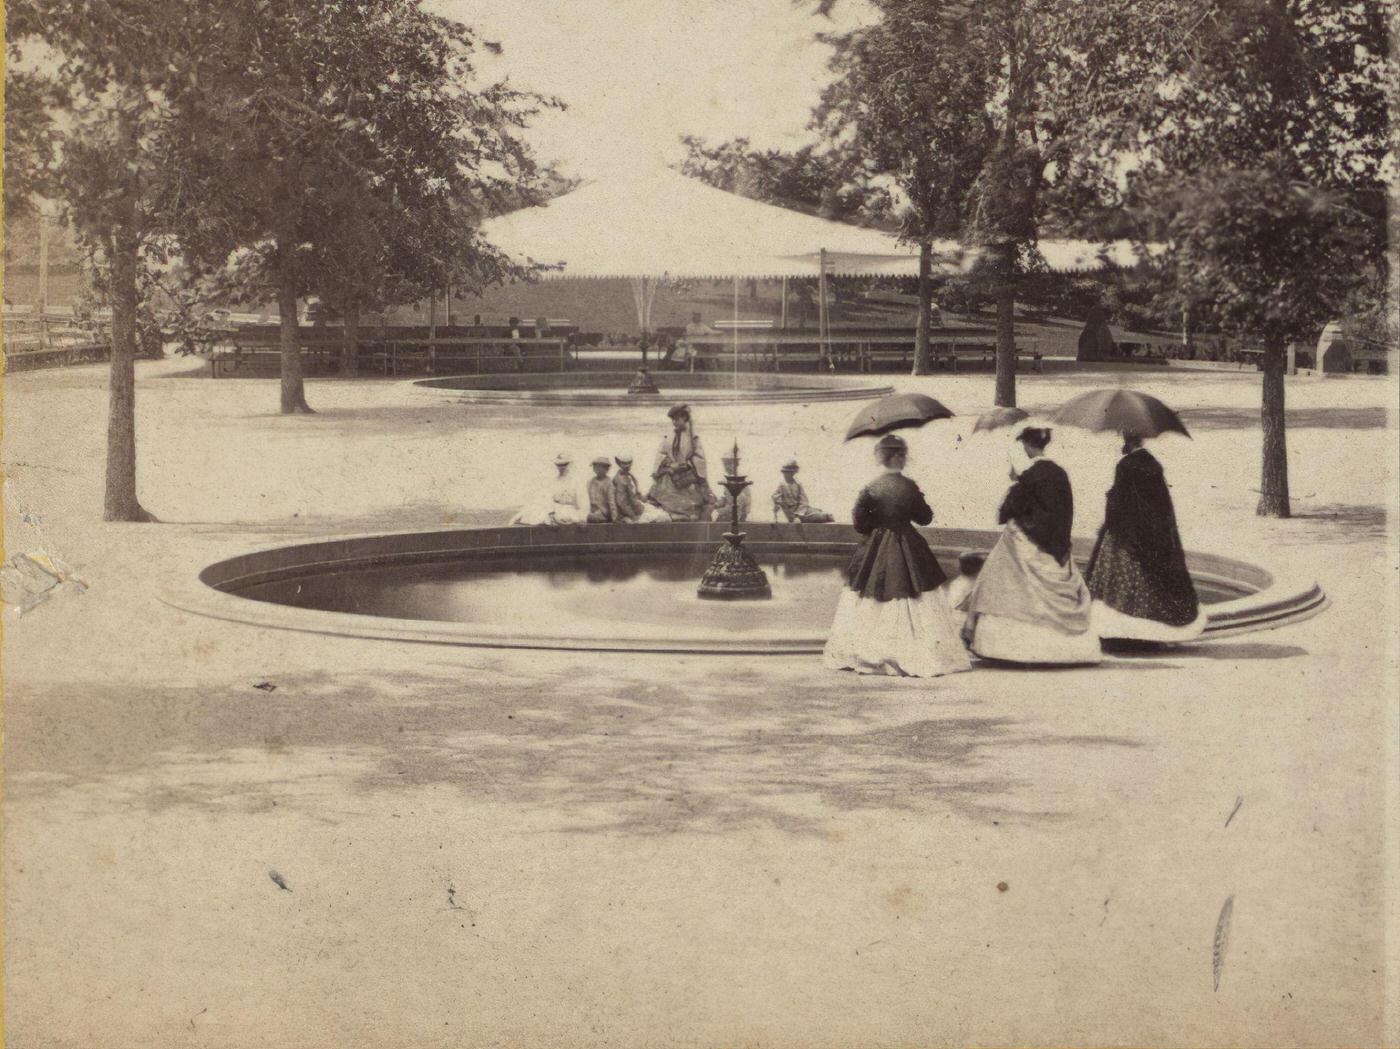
893,617
1030,604
790,499
631,507
565,502
602,500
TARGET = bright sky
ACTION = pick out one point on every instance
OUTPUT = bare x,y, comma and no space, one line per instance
638,74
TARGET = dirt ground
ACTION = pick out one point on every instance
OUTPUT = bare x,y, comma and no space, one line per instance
401,845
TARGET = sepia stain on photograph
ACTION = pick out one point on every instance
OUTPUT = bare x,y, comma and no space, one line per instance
653,523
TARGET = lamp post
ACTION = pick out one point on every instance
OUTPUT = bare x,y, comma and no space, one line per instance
733,574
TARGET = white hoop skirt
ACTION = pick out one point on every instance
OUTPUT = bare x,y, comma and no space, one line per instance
1016,641
1109,623
908,637
1026,607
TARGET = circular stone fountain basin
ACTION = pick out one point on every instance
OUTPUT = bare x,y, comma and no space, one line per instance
615,588
598,389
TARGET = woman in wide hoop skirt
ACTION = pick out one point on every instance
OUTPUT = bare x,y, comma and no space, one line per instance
893,617
1030,604
1142,589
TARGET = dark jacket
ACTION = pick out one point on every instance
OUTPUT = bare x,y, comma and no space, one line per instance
893,561
1042,503
1139,507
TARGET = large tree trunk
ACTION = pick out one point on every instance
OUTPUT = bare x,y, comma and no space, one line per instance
293,389
1273,484
922,363
119,502
350,354
1006,327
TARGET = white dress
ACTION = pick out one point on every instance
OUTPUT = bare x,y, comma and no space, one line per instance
566,502
906,637
1026,607
893,616
1107,622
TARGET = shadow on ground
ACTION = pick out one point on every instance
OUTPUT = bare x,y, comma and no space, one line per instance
593,753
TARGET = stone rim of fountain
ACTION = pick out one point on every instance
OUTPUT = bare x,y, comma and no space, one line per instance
1267,601
612,389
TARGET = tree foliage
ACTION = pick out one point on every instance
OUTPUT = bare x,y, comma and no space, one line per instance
971,107
1261,134
826,182
95,86
348,151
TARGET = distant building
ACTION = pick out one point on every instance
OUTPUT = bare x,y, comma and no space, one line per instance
1338,354
1333,351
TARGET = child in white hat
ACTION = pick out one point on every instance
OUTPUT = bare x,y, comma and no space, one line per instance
791,499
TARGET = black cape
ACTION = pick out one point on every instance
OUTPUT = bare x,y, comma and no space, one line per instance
1138,566
893,562
1042,503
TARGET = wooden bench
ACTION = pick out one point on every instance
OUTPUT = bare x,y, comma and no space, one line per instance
476,355
259,357
393,357
28,358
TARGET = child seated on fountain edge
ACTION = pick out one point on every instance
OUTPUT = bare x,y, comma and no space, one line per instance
791,498
627,494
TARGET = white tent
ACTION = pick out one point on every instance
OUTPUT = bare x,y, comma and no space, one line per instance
661,224
654,224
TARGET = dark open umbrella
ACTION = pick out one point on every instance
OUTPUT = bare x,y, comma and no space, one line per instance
898,411
999,417
1119,411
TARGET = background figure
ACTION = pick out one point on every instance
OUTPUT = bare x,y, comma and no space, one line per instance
565,502
1030,604
517,356
681,485
723,503
627,494
1137,574
893,617
791,499
602,501
693,356
970,563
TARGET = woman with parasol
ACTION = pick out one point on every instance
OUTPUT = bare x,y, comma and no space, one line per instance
893,617
1030,604
1137,574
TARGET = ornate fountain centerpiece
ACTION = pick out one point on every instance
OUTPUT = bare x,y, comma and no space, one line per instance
734,574
642,382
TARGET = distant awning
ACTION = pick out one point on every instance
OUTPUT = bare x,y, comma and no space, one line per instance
659,224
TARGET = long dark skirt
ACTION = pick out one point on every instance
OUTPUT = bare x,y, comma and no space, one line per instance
1157,588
